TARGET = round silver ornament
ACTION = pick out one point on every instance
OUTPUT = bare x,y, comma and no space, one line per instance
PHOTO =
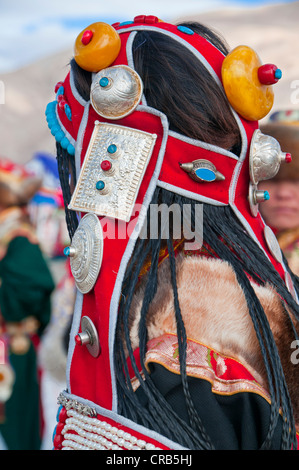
116,91
86,252
89,337
265,157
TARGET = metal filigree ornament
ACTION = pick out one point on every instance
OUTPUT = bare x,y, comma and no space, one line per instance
86,252
265,158
112,171
116,91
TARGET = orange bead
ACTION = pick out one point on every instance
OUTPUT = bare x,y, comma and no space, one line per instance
246,94
98,49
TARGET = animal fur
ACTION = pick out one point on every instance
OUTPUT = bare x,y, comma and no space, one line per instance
215,312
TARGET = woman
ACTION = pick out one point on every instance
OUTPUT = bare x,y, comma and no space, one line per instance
25,295
184,341
281,212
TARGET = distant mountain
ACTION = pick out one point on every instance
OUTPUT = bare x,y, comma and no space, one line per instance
271,30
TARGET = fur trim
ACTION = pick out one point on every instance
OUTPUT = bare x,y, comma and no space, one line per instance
215,313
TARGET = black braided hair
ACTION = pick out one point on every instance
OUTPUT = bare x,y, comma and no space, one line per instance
66,170
228,239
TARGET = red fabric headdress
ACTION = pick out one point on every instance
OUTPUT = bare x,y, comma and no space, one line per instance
167,159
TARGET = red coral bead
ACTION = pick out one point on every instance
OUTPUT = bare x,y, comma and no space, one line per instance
78,340
139,19
150,19
57,441
288,158
106,165
62,415
268,74
57,86
87,37
59,427
61,103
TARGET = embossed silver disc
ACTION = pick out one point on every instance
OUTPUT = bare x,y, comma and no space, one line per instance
116,91
87,248
264,158
273,244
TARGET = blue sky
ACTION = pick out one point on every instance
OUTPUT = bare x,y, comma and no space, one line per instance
33,29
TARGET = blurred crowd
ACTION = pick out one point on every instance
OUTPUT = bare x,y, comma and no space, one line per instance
36,302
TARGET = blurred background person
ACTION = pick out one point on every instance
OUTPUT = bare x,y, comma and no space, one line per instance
281,211
46,210
26,285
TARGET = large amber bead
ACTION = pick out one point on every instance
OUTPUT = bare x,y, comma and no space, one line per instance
246,94
96,47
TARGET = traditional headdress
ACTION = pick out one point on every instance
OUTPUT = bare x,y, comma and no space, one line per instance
123,150
17,185
284,127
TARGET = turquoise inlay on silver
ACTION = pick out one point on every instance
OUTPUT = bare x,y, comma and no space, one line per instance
100,185
186,30
266,195
112,148
202,171
104,82
67,251
205,174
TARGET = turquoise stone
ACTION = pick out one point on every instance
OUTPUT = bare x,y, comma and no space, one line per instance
100,185
266,195
104,82
205,174
278,74
112,148
124,23
67,251
185,30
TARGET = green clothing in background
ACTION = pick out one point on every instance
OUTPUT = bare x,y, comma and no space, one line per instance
25,291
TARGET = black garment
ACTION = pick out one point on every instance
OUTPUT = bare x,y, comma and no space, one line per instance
235,422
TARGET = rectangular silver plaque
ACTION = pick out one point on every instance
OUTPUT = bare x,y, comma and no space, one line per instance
121,182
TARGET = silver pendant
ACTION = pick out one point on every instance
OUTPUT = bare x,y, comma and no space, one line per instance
116,91
112,171
273,244
86,252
